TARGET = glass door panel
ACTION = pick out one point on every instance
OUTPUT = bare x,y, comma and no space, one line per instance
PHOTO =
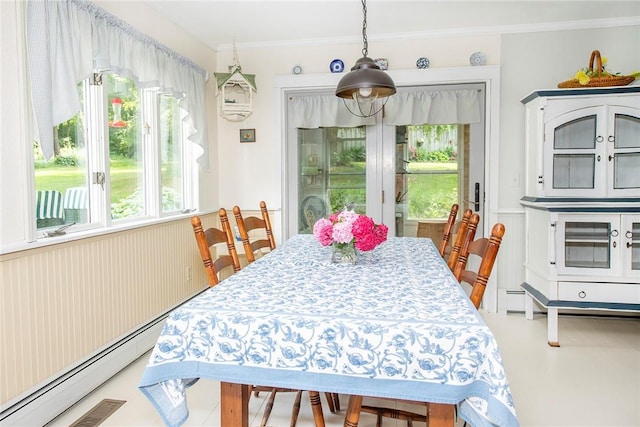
587,245
576,134
625,171
626,155
573,169
427,177
332,165
627,131
631,244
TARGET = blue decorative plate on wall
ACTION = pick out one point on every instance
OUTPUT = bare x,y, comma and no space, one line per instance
336,66
422,62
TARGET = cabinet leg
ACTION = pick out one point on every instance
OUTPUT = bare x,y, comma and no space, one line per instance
552,327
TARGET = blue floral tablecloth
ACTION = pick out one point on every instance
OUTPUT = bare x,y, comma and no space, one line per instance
396,325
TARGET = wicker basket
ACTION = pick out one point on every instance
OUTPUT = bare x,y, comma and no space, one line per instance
597,79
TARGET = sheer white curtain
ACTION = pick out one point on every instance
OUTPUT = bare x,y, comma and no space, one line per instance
410,107
69,40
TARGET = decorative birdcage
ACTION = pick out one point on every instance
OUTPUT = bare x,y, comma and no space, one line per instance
235,90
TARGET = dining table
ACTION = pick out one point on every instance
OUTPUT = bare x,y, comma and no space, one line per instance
397,324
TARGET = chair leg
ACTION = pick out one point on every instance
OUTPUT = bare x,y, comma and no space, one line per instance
332,406
336,401
316,407
268,408
296,409
352,417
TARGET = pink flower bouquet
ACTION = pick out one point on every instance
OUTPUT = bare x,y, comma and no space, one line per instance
347,227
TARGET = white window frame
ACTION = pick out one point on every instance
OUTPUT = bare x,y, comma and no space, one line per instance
96,134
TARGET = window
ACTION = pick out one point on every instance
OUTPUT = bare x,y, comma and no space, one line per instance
118,152
140,132
171,155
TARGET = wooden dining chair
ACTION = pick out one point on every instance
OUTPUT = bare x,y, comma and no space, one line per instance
259,225
487,250
460,236
211,237
463,254
448,228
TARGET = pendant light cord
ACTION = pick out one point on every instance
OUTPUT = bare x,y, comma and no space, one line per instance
365,49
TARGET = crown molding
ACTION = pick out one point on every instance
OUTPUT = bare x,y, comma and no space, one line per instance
452,32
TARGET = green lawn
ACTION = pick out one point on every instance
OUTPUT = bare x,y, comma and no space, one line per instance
124,178
428,195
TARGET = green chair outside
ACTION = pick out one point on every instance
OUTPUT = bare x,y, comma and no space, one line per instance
76,204
49,210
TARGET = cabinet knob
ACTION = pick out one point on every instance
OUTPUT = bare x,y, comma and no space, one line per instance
628,234
582,294
615,233
599,138
598,158
629,245
610,157
611,138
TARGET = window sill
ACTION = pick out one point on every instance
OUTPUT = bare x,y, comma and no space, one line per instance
43,242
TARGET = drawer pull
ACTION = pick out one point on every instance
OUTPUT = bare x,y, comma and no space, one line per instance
582,294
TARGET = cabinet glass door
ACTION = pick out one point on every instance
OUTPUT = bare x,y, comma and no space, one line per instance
631,245
574,156
586,245
626,152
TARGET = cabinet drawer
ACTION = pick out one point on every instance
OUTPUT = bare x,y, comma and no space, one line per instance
599,292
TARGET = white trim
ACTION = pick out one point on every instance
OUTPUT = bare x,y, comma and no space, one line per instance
452,32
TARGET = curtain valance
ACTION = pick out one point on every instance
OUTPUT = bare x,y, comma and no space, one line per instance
316,111
438,107
69,40
416,107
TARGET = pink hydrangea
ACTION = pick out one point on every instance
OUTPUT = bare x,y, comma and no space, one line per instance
347,226
323,231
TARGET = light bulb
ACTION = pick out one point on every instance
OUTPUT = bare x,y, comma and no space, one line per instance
365,92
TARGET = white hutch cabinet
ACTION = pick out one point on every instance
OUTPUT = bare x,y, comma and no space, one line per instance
582,202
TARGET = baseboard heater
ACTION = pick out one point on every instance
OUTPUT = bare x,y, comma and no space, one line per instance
48,400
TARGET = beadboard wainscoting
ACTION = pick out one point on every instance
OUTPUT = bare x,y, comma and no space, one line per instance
510,261
75,313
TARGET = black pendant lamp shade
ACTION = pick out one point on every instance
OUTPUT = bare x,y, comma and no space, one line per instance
366,82
365,75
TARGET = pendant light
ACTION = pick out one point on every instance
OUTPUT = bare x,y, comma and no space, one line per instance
366,82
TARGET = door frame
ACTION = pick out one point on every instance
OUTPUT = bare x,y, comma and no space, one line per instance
286,85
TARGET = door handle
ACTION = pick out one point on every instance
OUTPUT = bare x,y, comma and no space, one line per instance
476,202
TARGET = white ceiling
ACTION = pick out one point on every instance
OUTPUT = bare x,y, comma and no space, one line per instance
267,23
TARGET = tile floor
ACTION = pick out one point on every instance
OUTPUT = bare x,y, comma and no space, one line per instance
592,380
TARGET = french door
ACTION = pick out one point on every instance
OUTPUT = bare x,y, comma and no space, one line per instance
398,175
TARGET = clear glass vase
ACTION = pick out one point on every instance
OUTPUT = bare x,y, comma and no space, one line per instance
344,253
